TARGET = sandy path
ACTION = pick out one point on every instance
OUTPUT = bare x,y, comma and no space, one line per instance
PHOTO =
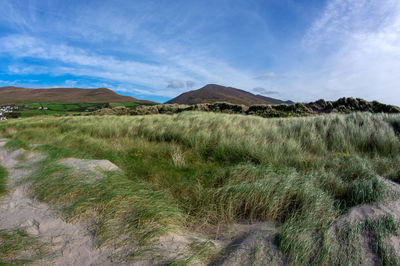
70,244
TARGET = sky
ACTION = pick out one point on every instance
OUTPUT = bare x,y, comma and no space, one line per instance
301,50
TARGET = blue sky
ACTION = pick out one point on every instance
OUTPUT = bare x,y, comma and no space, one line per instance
289,49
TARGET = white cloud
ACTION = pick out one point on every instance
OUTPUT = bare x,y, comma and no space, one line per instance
71,83
190,84
80,62
353,50
268,75
176,84
264,91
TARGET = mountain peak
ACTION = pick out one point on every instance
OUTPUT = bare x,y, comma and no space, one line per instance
212,93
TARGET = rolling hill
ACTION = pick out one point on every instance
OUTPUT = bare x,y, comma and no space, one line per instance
213,93
14,95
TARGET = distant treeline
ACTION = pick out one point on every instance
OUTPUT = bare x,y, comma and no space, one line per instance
343,105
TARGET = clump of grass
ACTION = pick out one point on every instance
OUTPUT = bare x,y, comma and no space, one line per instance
16,144
363,191
3,180
18,248
395,174
276,196
357,238
177,157
121,211
199,251
380,228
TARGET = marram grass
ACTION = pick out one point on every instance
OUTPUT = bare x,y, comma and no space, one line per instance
192,169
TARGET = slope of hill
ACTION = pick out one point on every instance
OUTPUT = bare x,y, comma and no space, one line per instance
273,100
213,93
14,95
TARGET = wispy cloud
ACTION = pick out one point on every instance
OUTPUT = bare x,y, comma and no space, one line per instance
264,91
78,61
353,49
190,84
176,84
268,75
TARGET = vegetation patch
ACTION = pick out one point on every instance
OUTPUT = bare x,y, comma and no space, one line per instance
195,170
343,105
364,241
122,211
59,108
3,180
18,248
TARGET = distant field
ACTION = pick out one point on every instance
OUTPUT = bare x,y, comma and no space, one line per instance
51,108
29,105
195,171
124,104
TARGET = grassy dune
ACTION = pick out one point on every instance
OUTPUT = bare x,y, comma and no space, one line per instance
198,170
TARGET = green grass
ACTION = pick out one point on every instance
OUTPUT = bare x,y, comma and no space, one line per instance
30,105
14,245
193,169
380,229
52,112
3,180
29,113
126,208
127,104
352,240
58,108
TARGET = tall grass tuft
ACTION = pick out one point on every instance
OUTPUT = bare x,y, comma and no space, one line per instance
121,210
3,180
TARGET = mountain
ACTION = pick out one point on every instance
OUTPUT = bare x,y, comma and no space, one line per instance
213,93
13,95
273,100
